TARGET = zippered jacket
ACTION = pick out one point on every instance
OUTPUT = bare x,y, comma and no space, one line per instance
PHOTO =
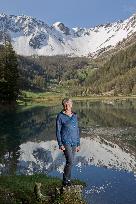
67,130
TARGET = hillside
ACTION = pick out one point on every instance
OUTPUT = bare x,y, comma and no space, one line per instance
117,75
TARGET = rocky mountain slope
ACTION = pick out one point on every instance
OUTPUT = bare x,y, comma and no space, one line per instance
31,36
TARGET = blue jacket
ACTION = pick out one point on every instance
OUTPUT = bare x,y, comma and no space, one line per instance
67,130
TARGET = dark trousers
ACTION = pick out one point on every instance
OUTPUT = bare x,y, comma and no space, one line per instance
69,153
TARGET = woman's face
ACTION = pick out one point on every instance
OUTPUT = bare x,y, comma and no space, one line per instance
68,105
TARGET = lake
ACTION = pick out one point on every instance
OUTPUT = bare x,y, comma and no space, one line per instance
106,160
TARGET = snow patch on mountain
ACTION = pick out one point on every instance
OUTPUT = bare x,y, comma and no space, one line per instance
31,36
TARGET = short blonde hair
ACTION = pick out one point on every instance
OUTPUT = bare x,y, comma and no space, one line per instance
65,100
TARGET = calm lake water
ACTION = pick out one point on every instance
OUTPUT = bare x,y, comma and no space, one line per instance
107,158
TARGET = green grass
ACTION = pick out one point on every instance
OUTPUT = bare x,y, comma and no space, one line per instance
31,99
18,188
46,98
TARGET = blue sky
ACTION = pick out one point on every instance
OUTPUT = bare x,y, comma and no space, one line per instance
73,13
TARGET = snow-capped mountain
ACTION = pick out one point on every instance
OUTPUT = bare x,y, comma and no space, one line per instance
31,36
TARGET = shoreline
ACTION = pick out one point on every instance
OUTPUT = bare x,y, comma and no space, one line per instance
51,98
48,99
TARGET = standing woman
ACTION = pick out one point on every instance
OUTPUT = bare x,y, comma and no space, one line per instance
68,138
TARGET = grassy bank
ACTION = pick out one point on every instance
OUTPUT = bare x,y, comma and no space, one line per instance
52,98
44,98
20,188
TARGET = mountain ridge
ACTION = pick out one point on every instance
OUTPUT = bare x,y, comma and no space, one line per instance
31,36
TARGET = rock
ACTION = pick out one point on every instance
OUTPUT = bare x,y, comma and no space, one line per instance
39,196
70,195
63,195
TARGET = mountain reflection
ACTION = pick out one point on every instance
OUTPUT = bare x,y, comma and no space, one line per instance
108,137
46,157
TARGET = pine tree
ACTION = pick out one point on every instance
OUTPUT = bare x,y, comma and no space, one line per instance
3,82
9,75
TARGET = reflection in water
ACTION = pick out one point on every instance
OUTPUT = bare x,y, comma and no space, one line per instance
45,156
106,161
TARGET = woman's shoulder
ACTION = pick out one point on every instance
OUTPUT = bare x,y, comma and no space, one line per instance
59,114
74,112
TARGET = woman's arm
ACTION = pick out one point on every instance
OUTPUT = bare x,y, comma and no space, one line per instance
58,130
78,134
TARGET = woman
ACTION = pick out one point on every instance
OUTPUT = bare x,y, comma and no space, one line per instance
68,138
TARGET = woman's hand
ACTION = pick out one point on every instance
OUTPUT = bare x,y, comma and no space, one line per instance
77,148
62,148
